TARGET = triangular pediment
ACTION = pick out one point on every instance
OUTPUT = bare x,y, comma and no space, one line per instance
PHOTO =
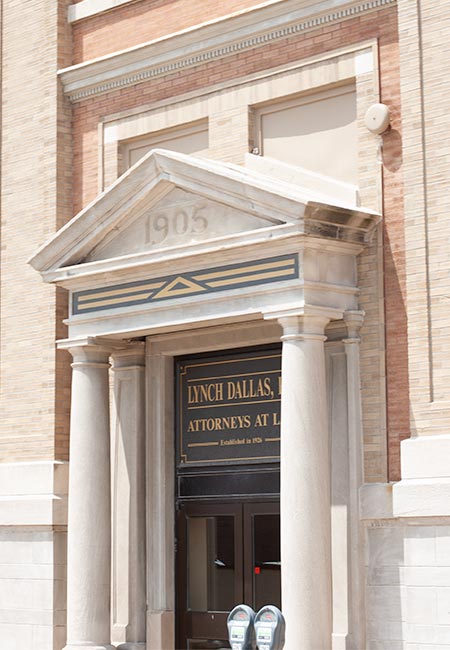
180,218
170,201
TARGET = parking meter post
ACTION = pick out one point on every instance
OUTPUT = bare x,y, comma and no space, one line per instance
240,627
269,628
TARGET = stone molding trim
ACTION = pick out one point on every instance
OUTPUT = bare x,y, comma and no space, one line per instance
424,490
88,8
34,493
202,44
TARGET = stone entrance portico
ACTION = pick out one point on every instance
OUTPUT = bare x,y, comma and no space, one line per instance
198,255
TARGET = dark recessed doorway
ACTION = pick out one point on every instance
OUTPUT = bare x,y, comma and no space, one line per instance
227,434
228,553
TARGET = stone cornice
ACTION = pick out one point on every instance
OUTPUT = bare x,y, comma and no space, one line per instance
207,42
274,202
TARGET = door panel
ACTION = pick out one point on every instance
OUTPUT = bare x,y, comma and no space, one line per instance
227,554
209,570
210,625
262,565
211,575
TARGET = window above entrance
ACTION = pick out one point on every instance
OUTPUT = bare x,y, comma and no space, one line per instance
189,138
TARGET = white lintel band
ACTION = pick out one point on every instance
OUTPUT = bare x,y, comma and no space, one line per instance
305,485
89,521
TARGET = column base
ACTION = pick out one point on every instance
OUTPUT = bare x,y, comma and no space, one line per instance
132,645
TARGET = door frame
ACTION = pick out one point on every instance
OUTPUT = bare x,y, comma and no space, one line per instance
160,457
160,468
188,621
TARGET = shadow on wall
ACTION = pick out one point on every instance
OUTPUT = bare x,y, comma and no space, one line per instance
397,371
392,150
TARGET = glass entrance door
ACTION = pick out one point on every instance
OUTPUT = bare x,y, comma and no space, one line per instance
227,554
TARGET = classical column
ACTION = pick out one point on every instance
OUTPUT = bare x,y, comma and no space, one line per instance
305,485
89,522
129,538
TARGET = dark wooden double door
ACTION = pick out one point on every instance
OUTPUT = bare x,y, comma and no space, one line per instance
227,553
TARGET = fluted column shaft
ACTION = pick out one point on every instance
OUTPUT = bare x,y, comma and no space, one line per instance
89,521
305,486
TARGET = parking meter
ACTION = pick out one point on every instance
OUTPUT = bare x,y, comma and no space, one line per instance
269,628
240,627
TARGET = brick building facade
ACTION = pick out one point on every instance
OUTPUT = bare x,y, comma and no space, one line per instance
155,146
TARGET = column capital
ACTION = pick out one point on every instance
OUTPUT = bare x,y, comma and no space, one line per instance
354,320
307,322
92,349
130,357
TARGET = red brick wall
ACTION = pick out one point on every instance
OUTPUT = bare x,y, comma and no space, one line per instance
381,25
143,21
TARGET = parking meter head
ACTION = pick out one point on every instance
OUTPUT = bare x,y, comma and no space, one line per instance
269,628
240,627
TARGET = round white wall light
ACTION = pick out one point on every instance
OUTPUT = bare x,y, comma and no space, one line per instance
378,118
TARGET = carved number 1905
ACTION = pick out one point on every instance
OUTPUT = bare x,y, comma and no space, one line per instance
184,222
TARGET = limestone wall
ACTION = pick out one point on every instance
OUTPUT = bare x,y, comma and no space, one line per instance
407,585
33,515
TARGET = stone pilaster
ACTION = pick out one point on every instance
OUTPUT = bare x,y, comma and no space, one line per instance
354,321
128,539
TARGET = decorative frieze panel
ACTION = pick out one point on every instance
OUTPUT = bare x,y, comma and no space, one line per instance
233,276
